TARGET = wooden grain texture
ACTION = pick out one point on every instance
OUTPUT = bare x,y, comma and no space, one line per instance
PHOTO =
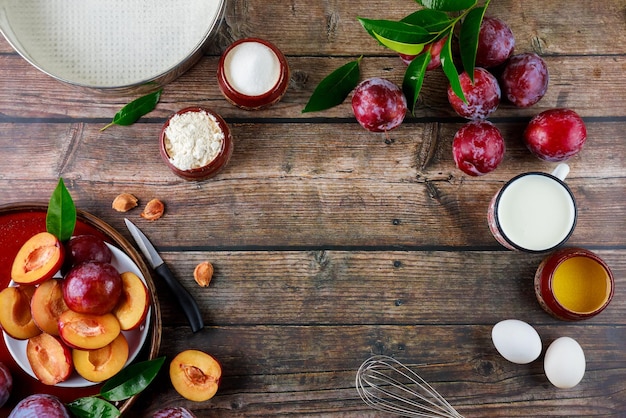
331,243
587,84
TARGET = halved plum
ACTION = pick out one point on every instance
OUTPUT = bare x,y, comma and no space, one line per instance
38,259
195,375
50,359
103,363
88,332
15,316
134,302
47,306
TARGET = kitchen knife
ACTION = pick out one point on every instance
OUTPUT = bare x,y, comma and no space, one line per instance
184,298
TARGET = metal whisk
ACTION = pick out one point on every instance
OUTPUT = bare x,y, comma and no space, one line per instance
389,386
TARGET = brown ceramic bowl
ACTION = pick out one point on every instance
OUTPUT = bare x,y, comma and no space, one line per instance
215,165
256,102
574,284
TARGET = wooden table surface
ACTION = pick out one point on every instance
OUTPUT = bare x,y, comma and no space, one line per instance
330,243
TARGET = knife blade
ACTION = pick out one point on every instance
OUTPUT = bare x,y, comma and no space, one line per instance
183,297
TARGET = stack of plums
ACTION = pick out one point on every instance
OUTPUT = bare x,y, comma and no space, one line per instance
478,147
73,322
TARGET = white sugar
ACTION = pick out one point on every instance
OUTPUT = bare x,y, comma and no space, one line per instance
252,68
193,139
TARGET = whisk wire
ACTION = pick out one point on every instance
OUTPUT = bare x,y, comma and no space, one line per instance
381,382
387,385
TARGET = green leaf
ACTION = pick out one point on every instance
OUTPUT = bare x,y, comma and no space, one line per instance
130,113
468,39
401,47
414,78
447,5
90,407
61,215
432,20
449,68
335,87
397,31
131,380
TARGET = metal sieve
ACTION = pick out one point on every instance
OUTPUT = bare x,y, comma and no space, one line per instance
112,45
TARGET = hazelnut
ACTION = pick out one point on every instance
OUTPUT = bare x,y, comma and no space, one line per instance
124,202
203,273
154,210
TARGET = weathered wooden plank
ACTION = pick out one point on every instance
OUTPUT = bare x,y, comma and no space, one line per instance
590,85
267,371
290,193
333,288
331,27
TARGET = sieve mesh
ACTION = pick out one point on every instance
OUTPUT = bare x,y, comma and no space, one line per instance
108,43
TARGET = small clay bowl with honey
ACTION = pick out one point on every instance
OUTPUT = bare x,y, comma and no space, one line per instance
212,164
573,284
253,74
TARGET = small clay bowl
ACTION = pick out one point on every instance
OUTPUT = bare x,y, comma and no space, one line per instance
262,100
574,284
215,165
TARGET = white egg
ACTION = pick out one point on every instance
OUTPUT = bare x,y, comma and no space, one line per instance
516,341
564,363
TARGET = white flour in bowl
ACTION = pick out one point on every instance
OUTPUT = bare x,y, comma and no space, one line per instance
193,139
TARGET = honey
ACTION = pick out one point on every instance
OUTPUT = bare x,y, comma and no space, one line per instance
581,284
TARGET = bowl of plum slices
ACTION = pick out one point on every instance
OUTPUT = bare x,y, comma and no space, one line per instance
73,313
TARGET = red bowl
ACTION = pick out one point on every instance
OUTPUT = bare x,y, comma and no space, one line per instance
215,165
261,101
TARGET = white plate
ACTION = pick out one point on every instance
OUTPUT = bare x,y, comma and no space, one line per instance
135,338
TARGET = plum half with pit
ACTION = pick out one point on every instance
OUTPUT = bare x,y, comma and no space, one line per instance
495,43
379,105
482,96
40,405
195,375
92,288
478,148
524,80
555,134
39,258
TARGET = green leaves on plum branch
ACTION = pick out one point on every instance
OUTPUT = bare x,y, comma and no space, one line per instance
61,214
411,36
131,380
89,407
414,78
130,113
468,39
400,36
334,88
127,383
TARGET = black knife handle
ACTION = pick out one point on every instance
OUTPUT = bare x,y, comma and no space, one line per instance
184,298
